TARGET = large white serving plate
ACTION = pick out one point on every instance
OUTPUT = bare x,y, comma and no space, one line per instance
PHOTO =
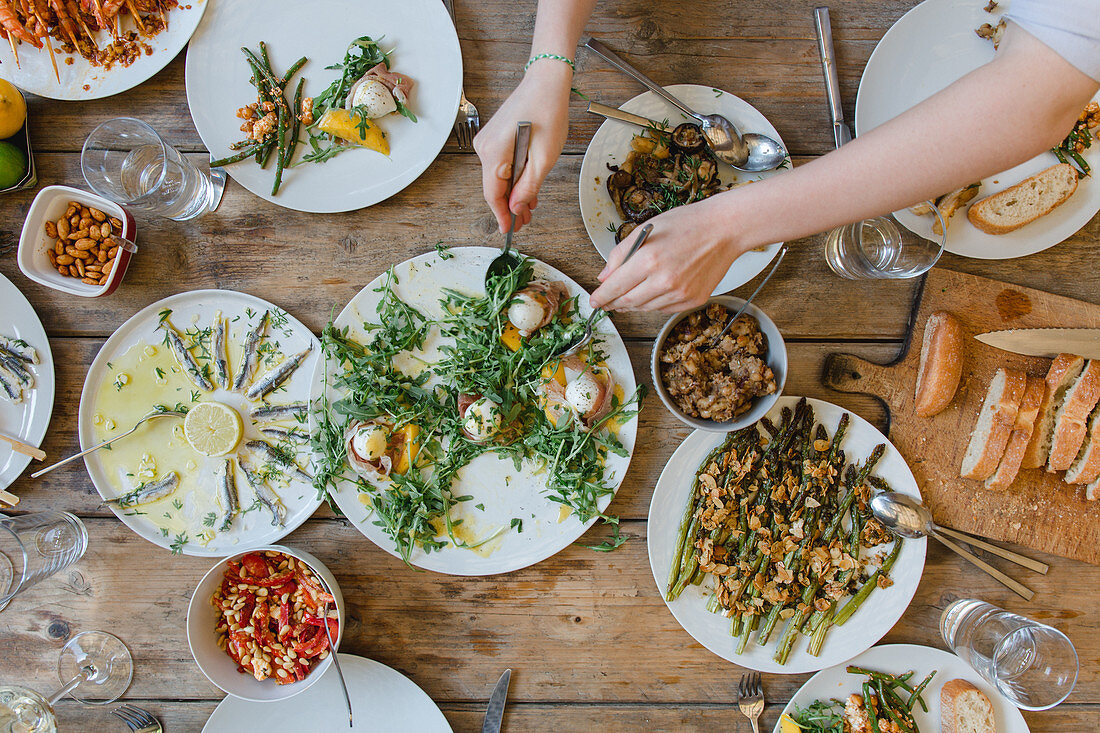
928,49
611,144
29,419
382,700
492,481
191,308
80,80
835,682
425,48
869,624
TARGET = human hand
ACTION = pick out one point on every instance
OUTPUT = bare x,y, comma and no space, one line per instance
687,254
542,98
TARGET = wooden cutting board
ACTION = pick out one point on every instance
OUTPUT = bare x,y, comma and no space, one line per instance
1039,510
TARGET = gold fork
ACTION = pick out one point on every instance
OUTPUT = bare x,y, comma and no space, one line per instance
751,698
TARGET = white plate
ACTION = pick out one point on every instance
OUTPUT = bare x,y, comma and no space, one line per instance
611,144
35,72
198,307
425,47
928,49
29,419
491,480
835,682
870,623
382,700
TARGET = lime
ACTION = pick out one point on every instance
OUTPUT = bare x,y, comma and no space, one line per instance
213,429
13,164
13,110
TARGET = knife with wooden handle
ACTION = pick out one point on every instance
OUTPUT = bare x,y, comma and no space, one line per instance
1046,342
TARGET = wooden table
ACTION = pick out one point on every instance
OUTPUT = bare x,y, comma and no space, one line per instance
590,642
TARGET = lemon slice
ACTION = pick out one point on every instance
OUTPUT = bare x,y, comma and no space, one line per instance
787,724
213,429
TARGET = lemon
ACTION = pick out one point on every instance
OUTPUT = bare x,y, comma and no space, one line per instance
213,429
346,125
787,724
13,110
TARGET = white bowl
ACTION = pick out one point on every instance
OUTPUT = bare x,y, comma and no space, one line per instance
49,205
776,359
219,668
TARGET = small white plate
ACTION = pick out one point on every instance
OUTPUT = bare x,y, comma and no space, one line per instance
869,624
80,80
198,307
926,50
493,481
425,48
611,144
382,700
835,682
29,419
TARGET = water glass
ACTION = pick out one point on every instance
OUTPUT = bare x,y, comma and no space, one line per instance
880,248
23,710
1033,665
125,160
35,546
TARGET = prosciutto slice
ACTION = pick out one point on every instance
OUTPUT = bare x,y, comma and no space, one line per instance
379,468
550,294
558,407
399,85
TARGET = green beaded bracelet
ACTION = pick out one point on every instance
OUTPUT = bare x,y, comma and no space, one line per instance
554,56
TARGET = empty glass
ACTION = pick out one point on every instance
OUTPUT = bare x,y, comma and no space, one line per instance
881,248
35,546
125,160
1032,664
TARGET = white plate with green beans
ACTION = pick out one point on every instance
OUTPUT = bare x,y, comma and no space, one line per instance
836,683
843,630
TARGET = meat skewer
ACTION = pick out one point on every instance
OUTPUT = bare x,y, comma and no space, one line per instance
45,35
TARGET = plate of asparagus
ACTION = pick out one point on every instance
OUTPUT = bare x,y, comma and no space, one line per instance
762,542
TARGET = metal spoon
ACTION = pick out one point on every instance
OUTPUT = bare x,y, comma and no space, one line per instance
744,306
151,416
748,152
505,261
906,517
336,657
579,343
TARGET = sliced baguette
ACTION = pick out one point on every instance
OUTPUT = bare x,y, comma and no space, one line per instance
1086,467
1019,205
994,425
965,709
1018,440
941,364
1070,418
1063,370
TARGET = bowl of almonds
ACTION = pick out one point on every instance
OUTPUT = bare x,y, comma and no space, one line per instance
76,242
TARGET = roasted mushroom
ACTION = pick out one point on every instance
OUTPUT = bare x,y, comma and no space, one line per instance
688,138
624,230
639,204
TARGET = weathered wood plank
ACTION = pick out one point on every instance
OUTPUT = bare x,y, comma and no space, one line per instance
658,436
574,627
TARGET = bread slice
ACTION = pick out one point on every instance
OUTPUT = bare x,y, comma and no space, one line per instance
1063,370
1009,466
941,364
965,709
1070,418
1086,466
995,423
1019,205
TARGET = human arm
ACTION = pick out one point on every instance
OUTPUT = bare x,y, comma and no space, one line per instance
1001,114
541,98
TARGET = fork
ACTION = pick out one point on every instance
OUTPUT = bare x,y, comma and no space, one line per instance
468,121
751,698
137,720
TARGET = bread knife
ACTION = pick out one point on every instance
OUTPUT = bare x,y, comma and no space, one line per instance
1046,342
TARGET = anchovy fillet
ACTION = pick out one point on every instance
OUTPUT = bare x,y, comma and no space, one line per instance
13,393
285,462
227,494
278,375
284,433
148,493
185,358
279,412
265,495
221,361
249,354
25,354
16,370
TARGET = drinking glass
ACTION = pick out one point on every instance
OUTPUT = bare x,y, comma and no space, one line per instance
125,160
881,248
23,710
1032,664
35,546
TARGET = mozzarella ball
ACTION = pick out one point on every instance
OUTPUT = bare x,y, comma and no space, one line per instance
483,419
370,441
583,393
375,97
526,312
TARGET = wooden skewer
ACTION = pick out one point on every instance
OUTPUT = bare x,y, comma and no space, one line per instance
49,45
14,50
103,20
20,447
8,498
137,16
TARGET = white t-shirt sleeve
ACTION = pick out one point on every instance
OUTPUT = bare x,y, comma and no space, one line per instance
1070,27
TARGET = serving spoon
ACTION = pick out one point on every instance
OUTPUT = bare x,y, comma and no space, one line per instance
906,517
151,416
749,152
744,306
505,261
